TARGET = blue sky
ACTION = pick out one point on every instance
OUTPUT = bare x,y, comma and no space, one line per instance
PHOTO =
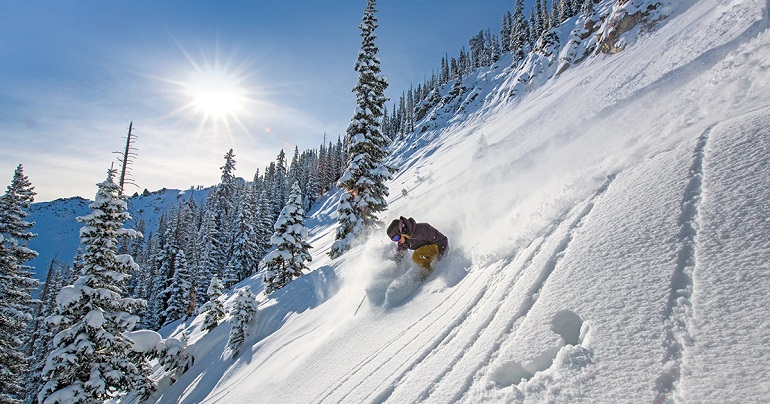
198,78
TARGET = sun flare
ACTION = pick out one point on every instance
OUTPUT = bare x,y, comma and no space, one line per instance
218,93
217,96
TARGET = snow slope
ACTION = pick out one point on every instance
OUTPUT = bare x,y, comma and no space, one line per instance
609,234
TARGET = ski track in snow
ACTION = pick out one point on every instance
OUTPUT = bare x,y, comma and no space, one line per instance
679,309
728,324
401,337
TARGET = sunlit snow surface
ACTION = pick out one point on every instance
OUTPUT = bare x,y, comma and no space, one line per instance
609,234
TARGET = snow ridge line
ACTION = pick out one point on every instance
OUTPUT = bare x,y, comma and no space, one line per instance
382,351
678,311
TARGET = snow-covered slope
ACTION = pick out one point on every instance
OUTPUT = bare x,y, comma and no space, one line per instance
610,242
58,231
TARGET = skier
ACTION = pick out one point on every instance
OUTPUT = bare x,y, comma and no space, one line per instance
427,242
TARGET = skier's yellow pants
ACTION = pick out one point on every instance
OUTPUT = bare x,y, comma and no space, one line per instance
424,256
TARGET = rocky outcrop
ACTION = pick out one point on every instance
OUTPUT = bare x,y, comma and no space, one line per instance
627,16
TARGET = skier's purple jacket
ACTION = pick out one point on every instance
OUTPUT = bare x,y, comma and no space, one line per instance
421,234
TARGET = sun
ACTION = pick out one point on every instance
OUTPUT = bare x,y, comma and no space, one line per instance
218,93
217,96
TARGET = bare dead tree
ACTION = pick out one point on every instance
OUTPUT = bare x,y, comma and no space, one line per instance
127,157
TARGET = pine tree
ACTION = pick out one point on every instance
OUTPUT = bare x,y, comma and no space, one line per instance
135,248
287,260
43,334
519,32
215,310
364,179
173,355
246,250
295,171
279,183
207,241
165,260
16,285
545,16
506,30
77,268
226,189
91,359
534,24
265,222
13,360
224,200
477,43
179,291
243,312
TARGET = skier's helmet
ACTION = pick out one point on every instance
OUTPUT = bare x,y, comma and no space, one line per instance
393,229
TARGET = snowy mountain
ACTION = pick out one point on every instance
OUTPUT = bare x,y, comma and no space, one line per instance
609,225
58,231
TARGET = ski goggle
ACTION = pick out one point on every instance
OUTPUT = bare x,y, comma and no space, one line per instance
396,238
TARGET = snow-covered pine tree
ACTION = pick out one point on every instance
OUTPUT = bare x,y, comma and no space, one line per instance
246,249
229,275
265,221
325,167
214,308
287,260
279,192
478,53
77,267
148,287
227,188
13,360
534,25
505,32
90,360
242,314
44,332
142,283
135,248
295,171
519,32
165,260
172,354
179,291
491,50
212,251
218,239
364,179
16,285
545,16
